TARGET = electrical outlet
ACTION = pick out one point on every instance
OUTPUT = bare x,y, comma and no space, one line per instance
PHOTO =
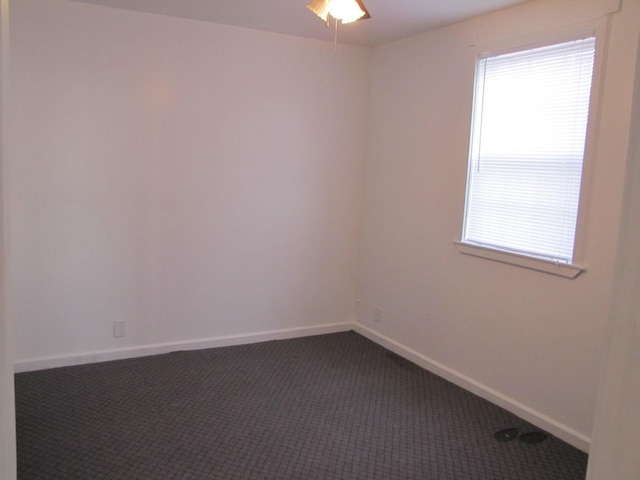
119,328
377,314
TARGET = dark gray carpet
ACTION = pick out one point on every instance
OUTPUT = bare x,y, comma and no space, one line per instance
326,407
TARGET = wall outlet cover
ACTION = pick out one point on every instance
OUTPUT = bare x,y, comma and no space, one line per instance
119,328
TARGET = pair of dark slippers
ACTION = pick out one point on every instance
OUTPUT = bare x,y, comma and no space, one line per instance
510,434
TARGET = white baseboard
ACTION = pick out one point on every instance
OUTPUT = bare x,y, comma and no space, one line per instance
542,421
54,361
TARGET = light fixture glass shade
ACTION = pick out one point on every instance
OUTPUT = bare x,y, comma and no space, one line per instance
320,8
346,11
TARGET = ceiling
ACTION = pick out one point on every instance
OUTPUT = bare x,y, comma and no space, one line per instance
390,19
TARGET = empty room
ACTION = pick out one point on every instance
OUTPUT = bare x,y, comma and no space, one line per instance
256,240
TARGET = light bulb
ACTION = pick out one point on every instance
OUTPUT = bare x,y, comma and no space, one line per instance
345,10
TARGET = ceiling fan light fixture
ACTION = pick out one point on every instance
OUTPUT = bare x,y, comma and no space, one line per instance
320,8
346,11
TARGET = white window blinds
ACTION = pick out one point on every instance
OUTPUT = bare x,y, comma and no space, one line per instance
527,147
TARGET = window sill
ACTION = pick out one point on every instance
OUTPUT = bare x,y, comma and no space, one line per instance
566,270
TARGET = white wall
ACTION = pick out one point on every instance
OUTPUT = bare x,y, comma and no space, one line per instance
196,180
530,340
201,181
8,457
616,433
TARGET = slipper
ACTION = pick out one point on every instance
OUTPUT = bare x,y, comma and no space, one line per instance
506,435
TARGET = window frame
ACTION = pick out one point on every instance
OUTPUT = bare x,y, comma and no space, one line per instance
596,28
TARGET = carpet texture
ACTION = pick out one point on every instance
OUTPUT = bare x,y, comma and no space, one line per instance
326,407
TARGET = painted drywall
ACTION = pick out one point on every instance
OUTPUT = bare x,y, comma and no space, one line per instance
8,458
204,181
616,433
535,339
193,179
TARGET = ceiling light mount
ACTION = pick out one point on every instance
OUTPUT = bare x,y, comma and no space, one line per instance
346,11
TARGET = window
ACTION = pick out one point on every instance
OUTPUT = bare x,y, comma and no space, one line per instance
527,149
